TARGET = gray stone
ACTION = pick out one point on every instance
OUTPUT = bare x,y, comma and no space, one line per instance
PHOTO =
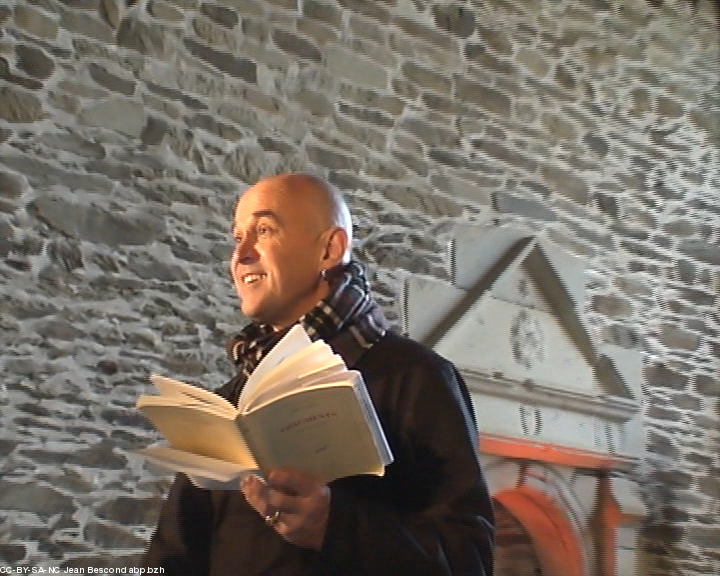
84,24
73,142
129,511
454,18
148,268
355,68
34,498
19,106
237,67
323,12
488,98
596,144
332,159
123,116
367,115
510,204
111,81
92,223
154,131
109,536
219,14
512,157
13,552
163,11
148,39
35,22
34,61
65,253
296,46
566,184
12,185
701,251
367,8
110,12
705,537
101,455
426,78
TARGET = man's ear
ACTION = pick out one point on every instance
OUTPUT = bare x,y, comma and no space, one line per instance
335,247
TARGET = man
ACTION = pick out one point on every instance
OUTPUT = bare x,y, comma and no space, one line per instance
429,515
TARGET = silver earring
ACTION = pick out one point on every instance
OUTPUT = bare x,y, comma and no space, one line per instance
323,273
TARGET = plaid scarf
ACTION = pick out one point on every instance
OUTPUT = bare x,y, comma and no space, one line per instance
348,316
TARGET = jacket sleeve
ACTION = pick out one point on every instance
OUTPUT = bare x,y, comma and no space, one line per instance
432,514
181,542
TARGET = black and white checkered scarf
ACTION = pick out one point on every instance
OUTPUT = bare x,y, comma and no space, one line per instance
348,310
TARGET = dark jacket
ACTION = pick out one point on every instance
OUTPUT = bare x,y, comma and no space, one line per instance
429,515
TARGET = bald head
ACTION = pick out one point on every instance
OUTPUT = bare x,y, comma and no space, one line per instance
319,200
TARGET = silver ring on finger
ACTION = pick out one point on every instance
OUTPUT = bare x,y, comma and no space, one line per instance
274,518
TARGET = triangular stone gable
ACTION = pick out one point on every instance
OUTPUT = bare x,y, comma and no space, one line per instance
514,310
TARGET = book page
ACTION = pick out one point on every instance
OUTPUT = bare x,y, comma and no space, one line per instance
308,370
204,472
199,430
176,389
294,341
151,400
320,430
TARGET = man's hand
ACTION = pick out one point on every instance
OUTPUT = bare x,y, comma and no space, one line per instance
295,504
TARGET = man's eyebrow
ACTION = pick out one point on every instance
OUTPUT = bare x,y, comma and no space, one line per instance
260,214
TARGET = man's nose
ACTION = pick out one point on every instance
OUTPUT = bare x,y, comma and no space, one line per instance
245,252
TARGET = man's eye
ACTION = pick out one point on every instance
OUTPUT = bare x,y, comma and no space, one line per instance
263,230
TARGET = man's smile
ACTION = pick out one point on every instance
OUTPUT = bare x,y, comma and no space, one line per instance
252,278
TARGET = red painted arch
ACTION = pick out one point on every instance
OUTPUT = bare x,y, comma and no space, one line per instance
555,542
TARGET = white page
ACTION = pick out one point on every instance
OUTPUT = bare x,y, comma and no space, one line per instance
204,472
332,369
318,354
293,342
168,387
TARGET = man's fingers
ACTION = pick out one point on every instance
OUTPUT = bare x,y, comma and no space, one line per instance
292,482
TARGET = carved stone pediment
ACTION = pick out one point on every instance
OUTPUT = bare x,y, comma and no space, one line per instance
512,321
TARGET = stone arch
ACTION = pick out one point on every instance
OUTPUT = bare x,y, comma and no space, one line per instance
554,539
542,501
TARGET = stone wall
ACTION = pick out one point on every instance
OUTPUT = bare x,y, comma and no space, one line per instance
128,128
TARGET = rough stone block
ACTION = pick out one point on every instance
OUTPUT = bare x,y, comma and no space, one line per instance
566,184
296,46
84,24
237,67
34,61
111,81
35,22
454,18
426,78
146,38
355,68
323,12
697,250
12,185
511,204
424,33
164,11
19,106
332,159
517,158
220,14
488,98
366,115
369,8
110,12
124,116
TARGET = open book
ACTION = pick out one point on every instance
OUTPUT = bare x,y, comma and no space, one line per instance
300,408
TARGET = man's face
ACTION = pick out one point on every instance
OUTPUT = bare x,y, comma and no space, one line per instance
277,260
